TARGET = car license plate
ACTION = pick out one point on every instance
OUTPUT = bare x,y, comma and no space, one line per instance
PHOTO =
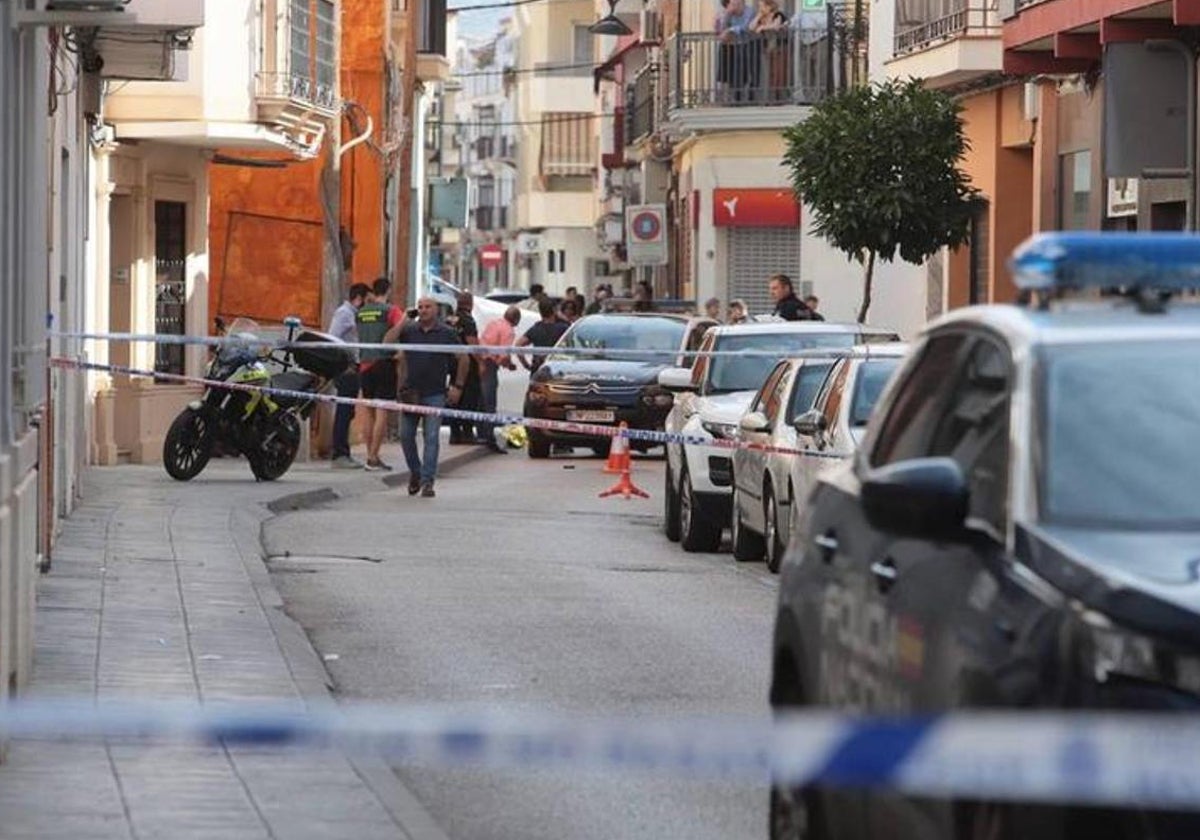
591,416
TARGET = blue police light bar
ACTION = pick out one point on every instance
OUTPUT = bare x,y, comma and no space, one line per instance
1091,260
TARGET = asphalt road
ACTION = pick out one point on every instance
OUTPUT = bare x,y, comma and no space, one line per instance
517,585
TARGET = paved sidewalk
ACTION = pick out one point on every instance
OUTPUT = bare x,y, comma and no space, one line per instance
158,590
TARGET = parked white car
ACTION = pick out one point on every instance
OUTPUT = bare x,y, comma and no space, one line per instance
810,404
710,400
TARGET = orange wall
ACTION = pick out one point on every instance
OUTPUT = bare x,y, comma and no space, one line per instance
1000,166
265,225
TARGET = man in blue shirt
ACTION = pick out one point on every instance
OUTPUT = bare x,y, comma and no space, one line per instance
423,378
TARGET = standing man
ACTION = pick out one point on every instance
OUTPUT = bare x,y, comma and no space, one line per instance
812,302
422,378
500,332
378,367
344,327
545,333
599,297
467,330
712,308
787,305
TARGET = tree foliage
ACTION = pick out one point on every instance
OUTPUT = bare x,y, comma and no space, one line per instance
878,166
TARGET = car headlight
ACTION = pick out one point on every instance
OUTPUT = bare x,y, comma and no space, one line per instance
657,398
719,430
1117,653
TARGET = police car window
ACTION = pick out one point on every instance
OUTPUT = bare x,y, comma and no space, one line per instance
695,339
808,383
873,375
701,365
973,429
1118,436
916,407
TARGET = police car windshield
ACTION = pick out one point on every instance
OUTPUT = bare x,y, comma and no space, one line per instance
730,373
629,332
1120,427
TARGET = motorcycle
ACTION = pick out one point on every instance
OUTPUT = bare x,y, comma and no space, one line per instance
264,427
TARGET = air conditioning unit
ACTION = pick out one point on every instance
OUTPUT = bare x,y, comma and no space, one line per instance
651,25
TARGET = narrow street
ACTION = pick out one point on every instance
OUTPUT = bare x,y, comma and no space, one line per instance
518,585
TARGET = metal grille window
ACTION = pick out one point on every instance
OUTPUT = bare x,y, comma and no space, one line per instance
326,48
980,253
170,288
569,144
754,254
300,50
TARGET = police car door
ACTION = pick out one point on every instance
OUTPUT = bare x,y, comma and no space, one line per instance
930,598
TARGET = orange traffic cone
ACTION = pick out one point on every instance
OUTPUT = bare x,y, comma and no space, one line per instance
618,452
624,486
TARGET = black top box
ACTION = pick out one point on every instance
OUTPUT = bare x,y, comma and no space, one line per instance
330,361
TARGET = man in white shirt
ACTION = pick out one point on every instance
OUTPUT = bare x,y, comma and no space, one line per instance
344,327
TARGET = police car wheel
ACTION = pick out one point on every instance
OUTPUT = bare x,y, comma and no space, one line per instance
772,539
747,545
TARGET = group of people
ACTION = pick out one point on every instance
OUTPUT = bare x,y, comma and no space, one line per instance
433,379
788,306
754,55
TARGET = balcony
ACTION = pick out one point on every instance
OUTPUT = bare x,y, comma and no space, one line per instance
230,99
946,42
641,105
764,80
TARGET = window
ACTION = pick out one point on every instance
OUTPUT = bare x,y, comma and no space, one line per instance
695,339
584,46
980,252
299,26
773,401
872,377
170,287
1075,179
918,402
768,387
830,401
326,60
810,378
569,144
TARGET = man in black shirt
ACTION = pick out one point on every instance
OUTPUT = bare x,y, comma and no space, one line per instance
545,333
464,325
787,305
422,377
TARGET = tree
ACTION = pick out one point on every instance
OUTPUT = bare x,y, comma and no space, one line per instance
878,166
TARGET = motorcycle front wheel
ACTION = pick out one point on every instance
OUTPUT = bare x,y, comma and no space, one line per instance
188,445
277,451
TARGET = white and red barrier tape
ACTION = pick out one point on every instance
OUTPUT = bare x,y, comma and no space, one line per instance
568,426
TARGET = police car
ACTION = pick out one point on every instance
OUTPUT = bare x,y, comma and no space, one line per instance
1020,528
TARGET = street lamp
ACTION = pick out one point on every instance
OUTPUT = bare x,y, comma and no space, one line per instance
610,24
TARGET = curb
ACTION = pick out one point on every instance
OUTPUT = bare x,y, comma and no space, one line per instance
308,671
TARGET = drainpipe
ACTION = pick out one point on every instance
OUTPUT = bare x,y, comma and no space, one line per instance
1189,58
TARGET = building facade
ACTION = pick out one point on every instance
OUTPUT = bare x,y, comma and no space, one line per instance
702,123
557,142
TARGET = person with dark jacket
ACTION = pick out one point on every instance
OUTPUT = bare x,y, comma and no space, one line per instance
467,330
377,368
787,305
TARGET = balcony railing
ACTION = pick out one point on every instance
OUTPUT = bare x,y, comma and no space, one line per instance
977,17
491,218
785,67
640,104
296,87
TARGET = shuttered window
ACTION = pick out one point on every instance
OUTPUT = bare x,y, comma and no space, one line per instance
569,144
753,255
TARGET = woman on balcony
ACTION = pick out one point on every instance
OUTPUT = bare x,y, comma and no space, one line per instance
735,69
770,25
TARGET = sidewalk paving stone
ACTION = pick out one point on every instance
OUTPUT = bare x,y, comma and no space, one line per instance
159,591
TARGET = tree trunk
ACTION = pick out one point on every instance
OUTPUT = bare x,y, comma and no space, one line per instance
866,303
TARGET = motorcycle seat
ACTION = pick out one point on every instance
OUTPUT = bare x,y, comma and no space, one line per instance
294,380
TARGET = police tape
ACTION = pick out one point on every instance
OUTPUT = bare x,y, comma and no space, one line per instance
1142,760
593,430
615,353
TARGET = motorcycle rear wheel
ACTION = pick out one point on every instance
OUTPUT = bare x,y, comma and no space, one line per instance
275,456
188,445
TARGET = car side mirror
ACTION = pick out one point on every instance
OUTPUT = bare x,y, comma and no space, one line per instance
810,423
755,421
926,498
676,379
